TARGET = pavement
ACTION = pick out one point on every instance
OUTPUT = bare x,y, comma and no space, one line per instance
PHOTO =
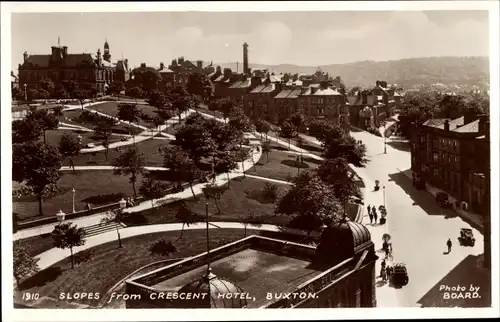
104,167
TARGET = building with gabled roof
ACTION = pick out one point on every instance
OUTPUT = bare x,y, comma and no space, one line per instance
90,70
321,101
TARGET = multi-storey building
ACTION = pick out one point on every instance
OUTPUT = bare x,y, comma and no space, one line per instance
320,101
90,70
453,155
259,102
286,103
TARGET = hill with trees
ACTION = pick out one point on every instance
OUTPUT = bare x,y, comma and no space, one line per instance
405,72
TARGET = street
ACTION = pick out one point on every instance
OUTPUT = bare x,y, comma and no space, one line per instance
418,226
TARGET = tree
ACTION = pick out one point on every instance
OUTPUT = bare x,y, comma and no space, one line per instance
213,106
24,263
43,94
215,193
287,131
180,101
114,216
324,131
17,94
25,130
157,99
158,121
196,140
45,121
32,94
185,215
116,88
417,108
130,163
67,235
196,84
266,148
103,130
251,219
128,112
81,95
227,107
337,173
239,121
135,92
152,189
310,201
37,164
224,163
182,167
297,120
243,154
263,127
69,147
348,148
58,112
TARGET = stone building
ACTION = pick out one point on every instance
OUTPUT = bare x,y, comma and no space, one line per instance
89,70
259,102
256,271
321,101
454,156
286,103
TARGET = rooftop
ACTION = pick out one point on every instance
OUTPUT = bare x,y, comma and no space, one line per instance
254,271
263,88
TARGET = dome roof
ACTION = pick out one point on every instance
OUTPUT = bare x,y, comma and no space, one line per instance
341,241
358,232
215,287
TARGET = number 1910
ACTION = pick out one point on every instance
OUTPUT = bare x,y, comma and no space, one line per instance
31,296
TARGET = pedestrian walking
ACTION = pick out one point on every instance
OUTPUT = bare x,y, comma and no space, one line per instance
374,213
371,217
448,243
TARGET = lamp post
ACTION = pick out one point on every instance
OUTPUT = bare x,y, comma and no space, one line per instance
383,194
73,191
25,92
385,137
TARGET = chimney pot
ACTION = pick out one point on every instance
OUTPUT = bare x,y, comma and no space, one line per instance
446,125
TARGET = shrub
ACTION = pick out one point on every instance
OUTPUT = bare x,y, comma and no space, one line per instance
270,192
163,248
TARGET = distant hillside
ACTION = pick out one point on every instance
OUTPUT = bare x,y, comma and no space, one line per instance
404,72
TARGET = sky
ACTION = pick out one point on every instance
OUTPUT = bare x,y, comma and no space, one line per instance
300,38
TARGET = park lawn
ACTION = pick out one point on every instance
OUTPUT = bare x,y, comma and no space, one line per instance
97,187
111,108
107,264
37,244
282,165
53,137
71,117
148,147
243,195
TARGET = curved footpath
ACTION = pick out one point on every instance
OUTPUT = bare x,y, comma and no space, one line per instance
55,255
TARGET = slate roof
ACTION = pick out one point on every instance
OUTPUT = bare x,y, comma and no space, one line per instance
263,88
354,100
296,83
241,84
471,127
435,122
70,59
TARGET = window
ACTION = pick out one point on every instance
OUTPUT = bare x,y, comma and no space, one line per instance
435,157
435,172
320,100
434,144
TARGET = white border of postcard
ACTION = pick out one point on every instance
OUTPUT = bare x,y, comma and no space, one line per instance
9,314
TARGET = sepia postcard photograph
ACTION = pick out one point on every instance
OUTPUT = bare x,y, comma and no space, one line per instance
328,160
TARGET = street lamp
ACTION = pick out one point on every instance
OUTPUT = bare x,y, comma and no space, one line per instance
383,194
73,191
25,92
385,137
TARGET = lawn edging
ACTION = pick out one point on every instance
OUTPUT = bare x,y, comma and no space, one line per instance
114,287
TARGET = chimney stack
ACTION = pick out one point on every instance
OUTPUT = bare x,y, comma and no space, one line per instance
25,56
199,64
227,72
162,66
255,81
218,70
446,125
246,71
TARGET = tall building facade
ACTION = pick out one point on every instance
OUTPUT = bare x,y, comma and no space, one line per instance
89,70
